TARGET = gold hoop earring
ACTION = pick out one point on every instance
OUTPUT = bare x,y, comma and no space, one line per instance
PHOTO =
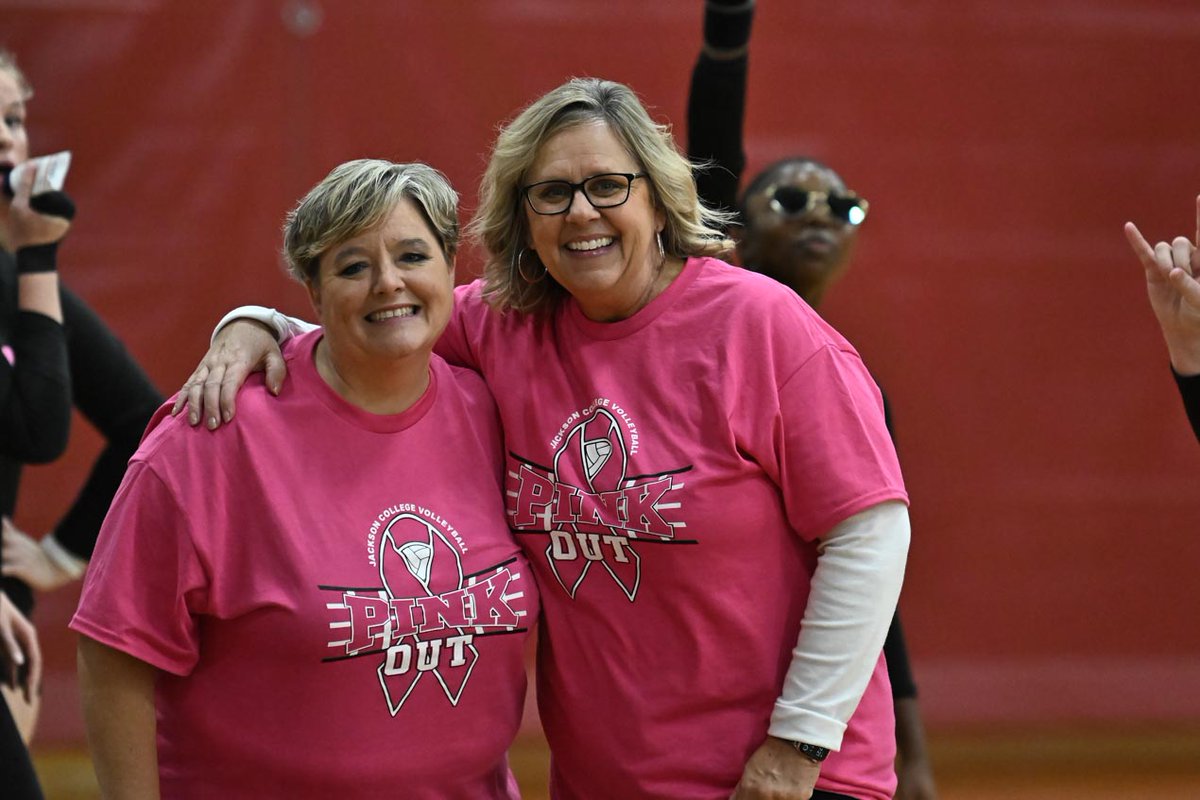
520,268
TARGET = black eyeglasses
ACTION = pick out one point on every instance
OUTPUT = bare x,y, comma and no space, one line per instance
607,190
791,201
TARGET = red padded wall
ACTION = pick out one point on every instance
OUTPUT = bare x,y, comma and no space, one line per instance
1002,146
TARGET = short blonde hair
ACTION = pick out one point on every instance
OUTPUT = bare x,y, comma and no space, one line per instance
357,196
500,225
9,62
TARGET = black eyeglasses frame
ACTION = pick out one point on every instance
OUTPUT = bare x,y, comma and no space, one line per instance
582,187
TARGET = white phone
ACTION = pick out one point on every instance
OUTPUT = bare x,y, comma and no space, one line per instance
51,175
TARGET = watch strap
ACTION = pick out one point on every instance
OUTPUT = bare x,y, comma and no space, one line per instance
812,752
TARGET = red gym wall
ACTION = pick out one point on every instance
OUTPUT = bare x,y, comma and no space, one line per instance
1052,472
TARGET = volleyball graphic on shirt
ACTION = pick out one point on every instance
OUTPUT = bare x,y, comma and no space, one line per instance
416,559
593,454
591,509
418,564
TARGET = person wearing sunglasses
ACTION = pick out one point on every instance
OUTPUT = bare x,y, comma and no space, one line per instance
1172,269
796,222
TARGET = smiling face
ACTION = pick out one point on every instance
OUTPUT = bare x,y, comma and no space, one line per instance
385,295
805,251
606,258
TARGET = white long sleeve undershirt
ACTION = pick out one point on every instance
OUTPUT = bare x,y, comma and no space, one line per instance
285,327
860,568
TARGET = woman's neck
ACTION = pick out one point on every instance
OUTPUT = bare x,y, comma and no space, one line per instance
663,276
377,388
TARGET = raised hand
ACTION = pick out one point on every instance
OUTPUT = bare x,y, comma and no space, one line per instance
1171,271
23,225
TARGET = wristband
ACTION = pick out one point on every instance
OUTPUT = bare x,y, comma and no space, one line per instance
727,25
37,258
53,204
813,752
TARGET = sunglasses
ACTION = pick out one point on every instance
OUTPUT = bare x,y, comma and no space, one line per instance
790,201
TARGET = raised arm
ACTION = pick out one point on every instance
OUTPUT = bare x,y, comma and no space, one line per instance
1171,270
717,101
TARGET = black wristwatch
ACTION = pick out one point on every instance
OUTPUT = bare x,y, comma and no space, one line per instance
812,752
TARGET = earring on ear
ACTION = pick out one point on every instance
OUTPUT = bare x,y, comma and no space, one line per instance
662,254
519,268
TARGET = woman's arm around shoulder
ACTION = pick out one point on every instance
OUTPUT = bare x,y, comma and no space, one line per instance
246,340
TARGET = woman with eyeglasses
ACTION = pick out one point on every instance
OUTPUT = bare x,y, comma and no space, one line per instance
697,469
796,222
1172,273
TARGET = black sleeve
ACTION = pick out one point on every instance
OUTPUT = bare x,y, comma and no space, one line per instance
895,650
715,112
116,396
1189,389
895,653
35,386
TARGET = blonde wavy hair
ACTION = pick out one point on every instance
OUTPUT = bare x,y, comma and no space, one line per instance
500,224
8,63
357,196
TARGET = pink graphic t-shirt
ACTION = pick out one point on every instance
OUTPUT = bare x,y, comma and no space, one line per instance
668,477
334,599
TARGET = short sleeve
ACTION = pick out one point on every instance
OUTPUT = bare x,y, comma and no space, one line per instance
145,585
834,455
455,342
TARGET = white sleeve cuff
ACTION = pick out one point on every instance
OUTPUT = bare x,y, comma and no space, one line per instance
860,568
285,327
62,558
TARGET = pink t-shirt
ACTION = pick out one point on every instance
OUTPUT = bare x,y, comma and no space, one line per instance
333,597
668,477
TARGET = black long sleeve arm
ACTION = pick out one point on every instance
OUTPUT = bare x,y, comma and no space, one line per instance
116,396
35,385
715,111
1189,389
